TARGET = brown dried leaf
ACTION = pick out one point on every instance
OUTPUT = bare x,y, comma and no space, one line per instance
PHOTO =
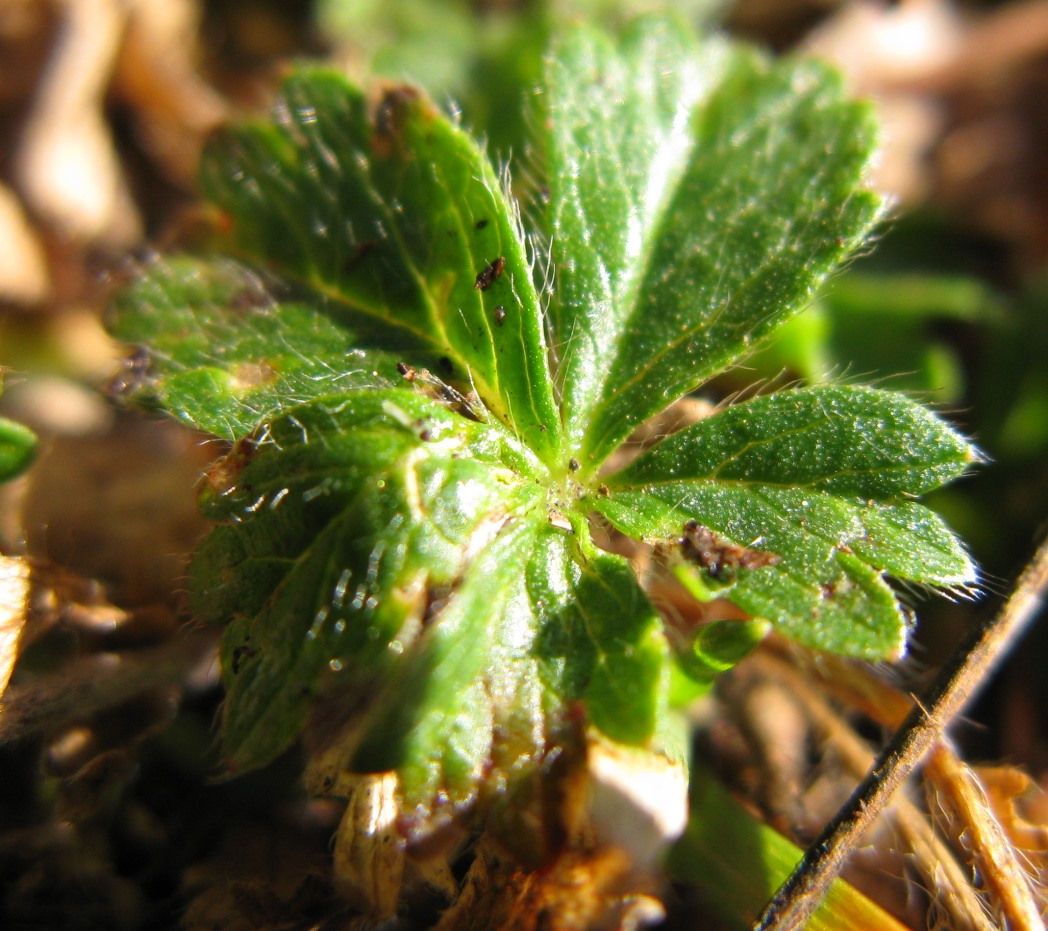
156,74
585,889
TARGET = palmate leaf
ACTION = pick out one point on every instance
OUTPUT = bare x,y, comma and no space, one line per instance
817,477
348,528
229,345
378,544
688,217
391,211
404,516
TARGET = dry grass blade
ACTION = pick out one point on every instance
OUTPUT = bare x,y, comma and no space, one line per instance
961,796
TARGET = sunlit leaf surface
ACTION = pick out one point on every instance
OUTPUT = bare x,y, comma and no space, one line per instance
420,414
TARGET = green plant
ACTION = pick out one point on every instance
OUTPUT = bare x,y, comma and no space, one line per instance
423,397
17,447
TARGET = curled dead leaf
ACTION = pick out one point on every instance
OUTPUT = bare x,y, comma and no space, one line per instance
369,851
14,607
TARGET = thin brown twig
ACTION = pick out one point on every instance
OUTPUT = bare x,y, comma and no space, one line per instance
933,858
956,685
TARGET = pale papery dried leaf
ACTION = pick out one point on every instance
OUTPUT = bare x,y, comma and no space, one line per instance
14,604
24,277
369,851
66,163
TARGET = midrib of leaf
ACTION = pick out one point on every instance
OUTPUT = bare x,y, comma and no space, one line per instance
714,478
670,143
285,707
710,208
313,278
389,199
849,441
639,257
757,492
385,314
437,677
721,304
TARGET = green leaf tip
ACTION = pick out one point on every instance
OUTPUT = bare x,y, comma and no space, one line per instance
422,414
17,447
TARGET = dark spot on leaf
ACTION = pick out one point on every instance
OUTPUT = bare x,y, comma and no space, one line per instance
359,254
715,554
389,119
240,654
490,274
249,298
446,365
480,224
500,315
135,374
222,476
574,464
603,490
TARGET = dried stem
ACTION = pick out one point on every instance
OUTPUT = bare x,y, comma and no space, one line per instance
932,857
955,686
